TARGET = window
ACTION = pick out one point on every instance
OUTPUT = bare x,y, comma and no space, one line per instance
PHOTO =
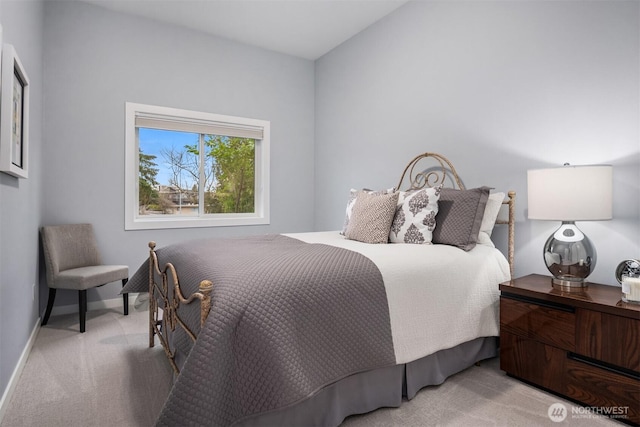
193,169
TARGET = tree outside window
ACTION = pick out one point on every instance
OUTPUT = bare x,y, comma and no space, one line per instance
169,181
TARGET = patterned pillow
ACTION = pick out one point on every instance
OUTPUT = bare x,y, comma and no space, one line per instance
371,217
352,199
415,216
460,217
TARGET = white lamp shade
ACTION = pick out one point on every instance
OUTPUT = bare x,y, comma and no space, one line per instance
571,193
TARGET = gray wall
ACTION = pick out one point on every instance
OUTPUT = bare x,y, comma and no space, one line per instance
20,199
96,60
498,88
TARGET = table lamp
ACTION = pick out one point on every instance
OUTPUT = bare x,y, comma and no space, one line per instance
569,194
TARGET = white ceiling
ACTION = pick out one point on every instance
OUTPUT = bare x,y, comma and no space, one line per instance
303,28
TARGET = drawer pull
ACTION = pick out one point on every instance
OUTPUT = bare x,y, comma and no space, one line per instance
541,303
602,365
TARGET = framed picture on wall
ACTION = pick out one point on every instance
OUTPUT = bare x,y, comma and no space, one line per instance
14,115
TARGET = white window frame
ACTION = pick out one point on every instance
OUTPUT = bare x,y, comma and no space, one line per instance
134,221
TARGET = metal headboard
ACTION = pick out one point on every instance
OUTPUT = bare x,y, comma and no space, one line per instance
434,175
420,177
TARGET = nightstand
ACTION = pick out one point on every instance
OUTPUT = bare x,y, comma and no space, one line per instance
584,346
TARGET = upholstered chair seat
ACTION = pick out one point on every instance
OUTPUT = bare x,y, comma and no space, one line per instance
90,277
73,262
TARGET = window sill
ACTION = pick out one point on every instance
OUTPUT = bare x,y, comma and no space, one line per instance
159,223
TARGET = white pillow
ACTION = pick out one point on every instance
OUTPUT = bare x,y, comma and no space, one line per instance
494,203
415,217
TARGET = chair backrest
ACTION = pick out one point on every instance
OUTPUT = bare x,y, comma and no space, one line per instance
68,246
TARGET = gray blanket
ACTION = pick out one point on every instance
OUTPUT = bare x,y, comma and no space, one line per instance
287,319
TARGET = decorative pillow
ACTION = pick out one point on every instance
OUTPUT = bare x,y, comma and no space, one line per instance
352,199
459,217
415,216
491,211
371,217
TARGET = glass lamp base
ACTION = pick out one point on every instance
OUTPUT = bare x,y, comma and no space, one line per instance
569,256
569,285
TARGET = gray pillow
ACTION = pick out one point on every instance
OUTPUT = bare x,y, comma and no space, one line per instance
371,217
459,217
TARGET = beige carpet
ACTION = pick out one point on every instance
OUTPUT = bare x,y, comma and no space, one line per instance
103,378
99,378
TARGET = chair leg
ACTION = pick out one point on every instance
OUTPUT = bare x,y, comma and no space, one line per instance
82,300
47,313
125,298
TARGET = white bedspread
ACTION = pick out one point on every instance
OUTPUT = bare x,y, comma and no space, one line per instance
439,296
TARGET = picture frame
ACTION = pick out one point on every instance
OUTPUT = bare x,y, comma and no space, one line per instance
14,115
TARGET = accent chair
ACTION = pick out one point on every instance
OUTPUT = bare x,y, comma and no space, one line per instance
73,262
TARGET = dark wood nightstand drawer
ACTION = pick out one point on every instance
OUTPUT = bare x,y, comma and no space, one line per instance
548,323
598,386
532,361
611,339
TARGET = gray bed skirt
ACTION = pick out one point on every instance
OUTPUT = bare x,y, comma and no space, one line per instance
367,391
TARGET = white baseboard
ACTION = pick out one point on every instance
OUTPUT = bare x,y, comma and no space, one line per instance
13,381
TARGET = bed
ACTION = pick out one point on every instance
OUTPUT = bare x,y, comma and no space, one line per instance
308,328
